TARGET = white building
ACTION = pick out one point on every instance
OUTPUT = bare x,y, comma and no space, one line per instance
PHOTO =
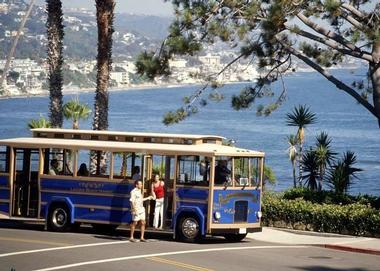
210,60
121,78
178,63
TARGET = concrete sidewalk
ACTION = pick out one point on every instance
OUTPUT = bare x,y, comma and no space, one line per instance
327,240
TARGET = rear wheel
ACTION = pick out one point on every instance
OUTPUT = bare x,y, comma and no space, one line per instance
232,237
188,229
59,219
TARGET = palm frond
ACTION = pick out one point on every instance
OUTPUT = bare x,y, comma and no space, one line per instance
300,117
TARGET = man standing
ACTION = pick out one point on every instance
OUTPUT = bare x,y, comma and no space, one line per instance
138,210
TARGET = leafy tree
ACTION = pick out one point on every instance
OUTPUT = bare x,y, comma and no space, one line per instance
39,123
342,173
292,152
75,110
300,118
271,33
55,35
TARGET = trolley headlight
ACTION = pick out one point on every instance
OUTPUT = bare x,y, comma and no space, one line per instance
217,215
259,214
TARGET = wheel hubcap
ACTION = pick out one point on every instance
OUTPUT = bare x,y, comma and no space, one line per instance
59,217
190,228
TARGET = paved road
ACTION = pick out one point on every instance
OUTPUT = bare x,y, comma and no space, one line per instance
28,247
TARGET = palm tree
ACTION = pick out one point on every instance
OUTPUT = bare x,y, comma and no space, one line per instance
300,117
104,19
342,172
39,123
324,154
75,110
292,152
310,165
55,60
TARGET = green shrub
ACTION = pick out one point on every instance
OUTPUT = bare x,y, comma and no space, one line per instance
355,218
329,197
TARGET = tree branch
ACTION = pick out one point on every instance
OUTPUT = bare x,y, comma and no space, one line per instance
361,55
339,84
353,10
352,21
325,32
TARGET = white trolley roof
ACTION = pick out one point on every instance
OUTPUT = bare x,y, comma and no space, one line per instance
205,149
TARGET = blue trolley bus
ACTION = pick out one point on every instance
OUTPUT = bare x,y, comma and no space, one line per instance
210,188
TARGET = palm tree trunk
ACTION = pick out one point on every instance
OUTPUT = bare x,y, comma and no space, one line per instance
104,18
75,124
300,169
55,35
14,44
294,176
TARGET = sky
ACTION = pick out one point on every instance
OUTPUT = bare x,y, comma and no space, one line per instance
146,7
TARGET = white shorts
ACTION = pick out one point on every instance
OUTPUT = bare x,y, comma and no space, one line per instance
138,217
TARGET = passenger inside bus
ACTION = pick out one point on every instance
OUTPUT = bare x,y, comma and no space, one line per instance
136,173
54,170
83,171
222,173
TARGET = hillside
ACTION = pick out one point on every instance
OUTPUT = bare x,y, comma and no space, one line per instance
133,33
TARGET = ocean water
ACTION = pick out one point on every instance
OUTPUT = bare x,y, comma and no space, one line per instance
349,124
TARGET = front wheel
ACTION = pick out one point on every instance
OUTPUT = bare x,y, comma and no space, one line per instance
188,229
59,219
231,237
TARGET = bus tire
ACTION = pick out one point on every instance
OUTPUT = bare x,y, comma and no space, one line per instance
104,228
188,229
232,237
59,218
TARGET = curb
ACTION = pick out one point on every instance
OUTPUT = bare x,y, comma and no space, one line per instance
351,249
314,233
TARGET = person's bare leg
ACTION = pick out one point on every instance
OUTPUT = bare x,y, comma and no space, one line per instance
142,229
133,226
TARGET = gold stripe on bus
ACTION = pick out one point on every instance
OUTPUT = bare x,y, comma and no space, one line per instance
4,174
235,225
192,186
4,188
90,221
46,177
86,193
101,207
229,188
191,200
4,200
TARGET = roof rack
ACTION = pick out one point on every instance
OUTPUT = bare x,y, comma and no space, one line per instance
163,138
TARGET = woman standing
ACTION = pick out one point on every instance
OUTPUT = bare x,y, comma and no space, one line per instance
158,193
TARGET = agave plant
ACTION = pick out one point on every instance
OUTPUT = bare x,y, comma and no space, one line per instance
292,152
325,156
310,166
75,110
301,116
342,173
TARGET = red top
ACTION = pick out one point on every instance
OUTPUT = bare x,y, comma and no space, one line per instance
159,190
